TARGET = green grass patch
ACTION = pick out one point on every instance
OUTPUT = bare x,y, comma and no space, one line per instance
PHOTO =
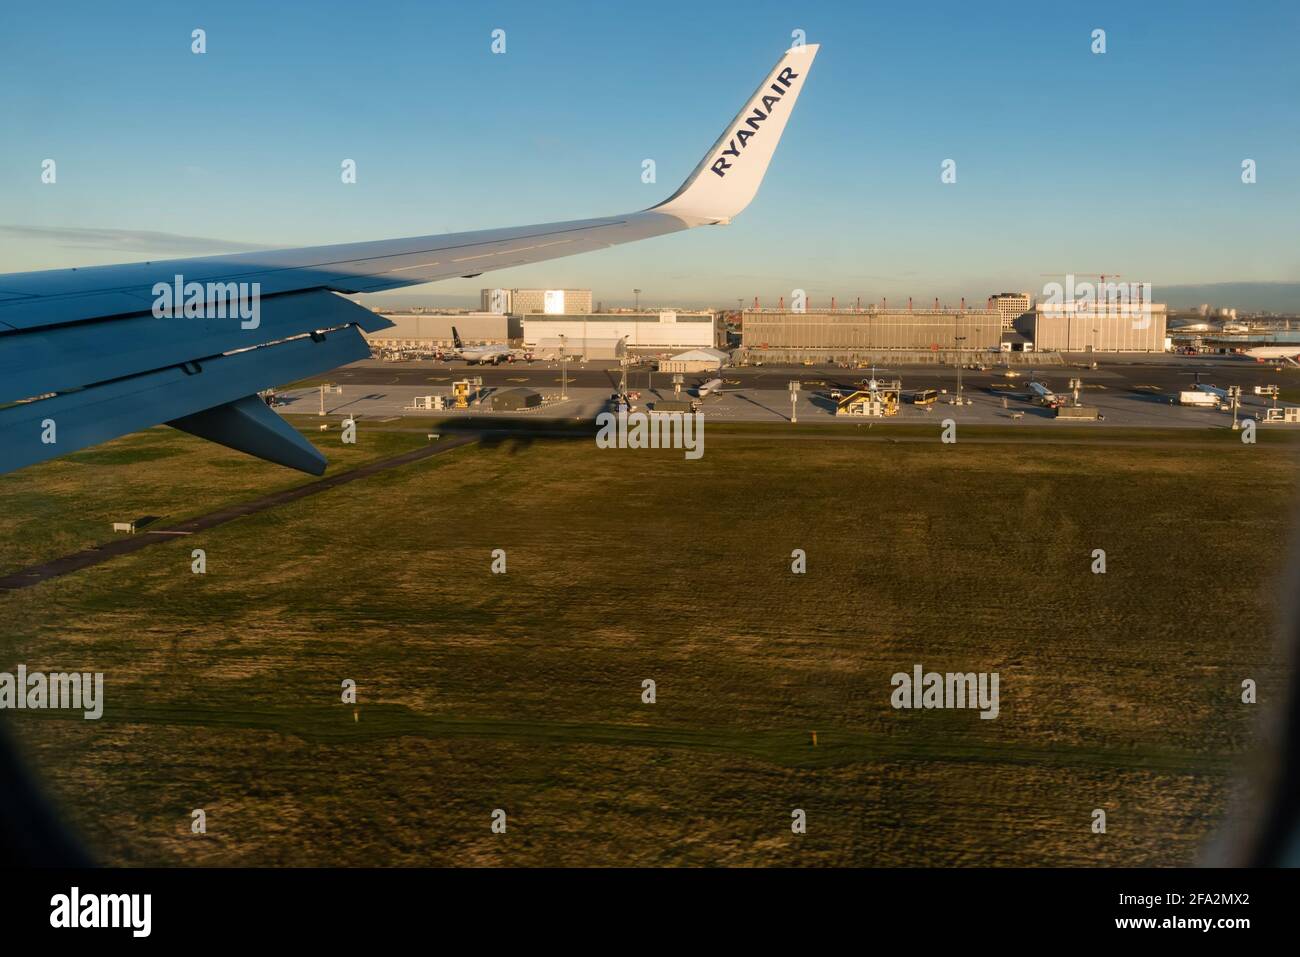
70,503
523,691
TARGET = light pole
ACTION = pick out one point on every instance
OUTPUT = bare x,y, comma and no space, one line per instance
564,369
959,340
622,361
795,386
327,387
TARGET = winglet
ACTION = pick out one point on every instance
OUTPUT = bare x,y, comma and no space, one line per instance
730,173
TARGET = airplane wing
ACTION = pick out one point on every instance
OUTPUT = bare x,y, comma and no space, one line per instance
90,354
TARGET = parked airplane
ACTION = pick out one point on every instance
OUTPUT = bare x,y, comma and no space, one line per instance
1220,394
711,387
90,354
1043,395
480,354
1272,353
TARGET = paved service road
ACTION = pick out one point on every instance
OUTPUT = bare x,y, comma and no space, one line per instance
1162,373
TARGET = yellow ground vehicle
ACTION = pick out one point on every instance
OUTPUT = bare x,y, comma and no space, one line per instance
925,396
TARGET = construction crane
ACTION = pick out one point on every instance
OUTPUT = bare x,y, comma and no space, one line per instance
1102,276
1090,275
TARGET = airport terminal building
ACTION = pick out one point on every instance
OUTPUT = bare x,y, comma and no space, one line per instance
599,335
853,335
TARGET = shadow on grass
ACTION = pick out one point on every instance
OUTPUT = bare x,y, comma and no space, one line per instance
520,434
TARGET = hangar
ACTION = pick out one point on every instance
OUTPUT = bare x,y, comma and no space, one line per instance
1100,327
429,330
792,335
695,360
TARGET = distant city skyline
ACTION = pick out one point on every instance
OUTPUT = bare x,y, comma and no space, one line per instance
1126,162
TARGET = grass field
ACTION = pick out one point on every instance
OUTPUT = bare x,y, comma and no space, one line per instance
523,691
71,503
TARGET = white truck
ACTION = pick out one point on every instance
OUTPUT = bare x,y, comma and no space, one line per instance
1197,397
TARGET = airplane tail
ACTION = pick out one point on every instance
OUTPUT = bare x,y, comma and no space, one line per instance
455,338
729,175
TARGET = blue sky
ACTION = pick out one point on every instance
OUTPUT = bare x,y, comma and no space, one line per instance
1127,162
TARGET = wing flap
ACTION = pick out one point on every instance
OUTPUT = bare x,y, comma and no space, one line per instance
60,358
75,420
